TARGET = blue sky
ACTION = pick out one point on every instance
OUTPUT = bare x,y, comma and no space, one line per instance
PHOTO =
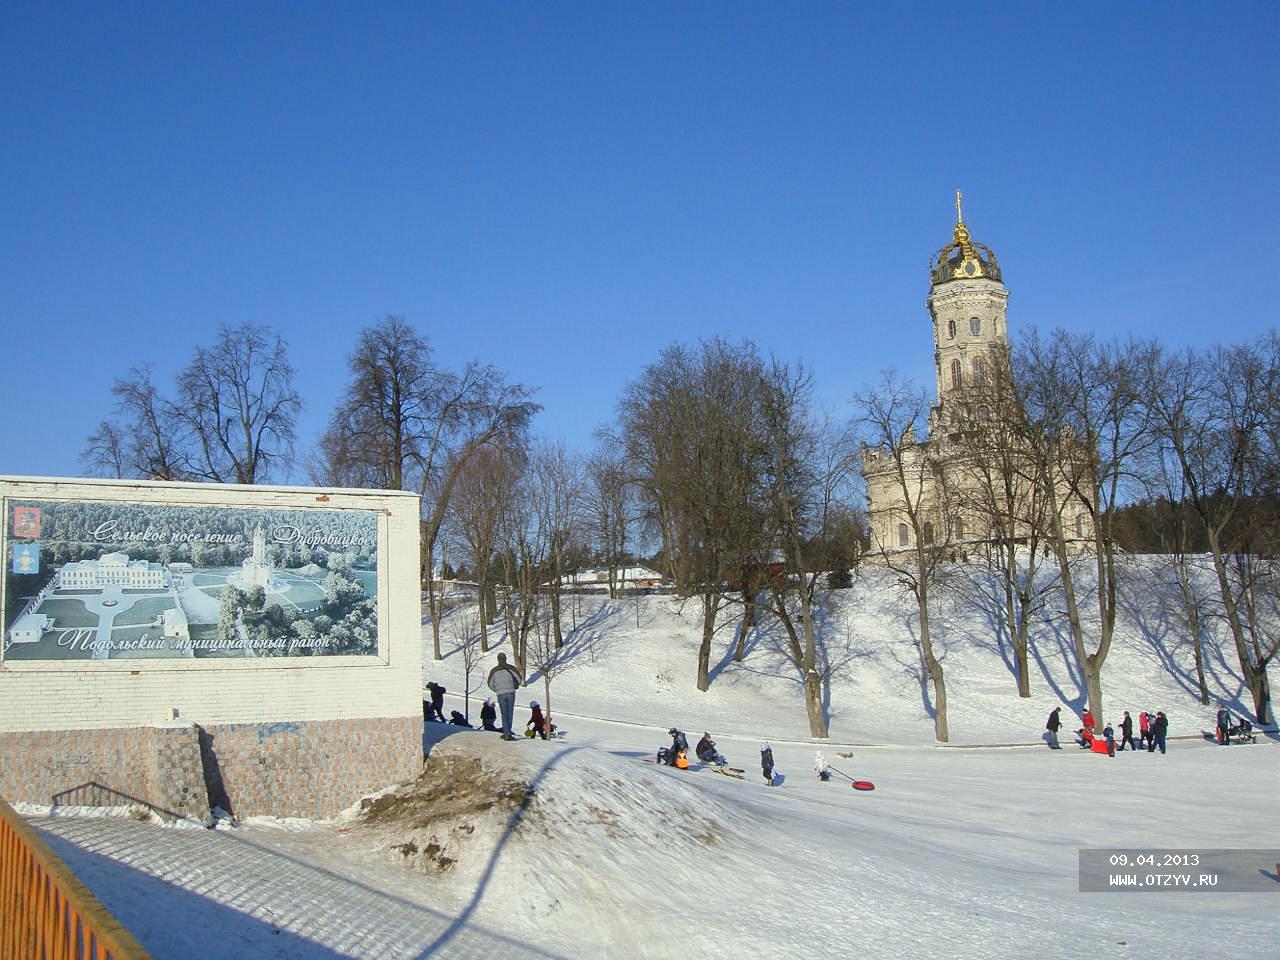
562,189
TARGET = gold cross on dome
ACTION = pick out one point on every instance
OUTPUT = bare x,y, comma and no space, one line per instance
959,198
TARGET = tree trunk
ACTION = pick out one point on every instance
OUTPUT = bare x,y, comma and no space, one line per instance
941,728
1191,612
710,606
1254,678
812,678
750,615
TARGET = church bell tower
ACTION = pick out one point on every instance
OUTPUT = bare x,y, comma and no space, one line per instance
967,304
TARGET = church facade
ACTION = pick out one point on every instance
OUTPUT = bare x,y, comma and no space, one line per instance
949,487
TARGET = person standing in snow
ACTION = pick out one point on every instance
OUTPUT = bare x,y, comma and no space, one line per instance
1224,725
488,714
821,767
1144,729
1088,720
1126,732
1053,725
1159,729
1110,734
505,680
437,702
766,763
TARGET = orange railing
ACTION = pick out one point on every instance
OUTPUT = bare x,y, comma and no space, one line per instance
45,912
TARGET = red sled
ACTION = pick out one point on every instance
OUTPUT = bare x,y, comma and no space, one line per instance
863,785
1099,746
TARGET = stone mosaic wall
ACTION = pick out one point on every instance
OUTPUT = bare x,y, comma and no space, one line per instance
305,769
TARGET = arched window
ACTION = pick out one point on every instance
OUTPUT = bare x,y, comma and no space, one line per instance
903,536
975,326
979,370
928,532
955,373
951,329
958,523
1080,525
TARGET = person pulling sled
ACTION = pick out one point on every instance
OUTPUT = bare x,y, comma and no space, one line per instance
821,767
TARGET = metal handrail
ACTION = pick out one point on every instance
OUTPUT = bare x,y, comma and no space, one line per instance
46,913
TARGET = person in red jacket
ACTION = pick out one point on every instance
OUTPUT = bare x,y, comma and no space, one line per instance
537,721
1088,720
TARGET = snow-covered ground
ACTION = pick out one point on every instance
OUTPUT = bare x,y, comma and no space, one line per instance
579,848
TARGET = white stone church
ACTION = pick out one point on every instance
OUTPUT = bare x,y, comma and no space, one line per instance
967,299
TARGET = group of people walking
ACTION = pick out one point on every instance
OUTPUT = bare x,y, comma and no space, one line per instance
1152,730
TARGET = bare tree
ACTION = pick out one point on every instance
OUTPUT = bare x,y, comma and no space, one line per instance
607,509
1000,509
1092,428
238,407
690,425
406,423
908,471
146,439
1216,417
480,495
806,468
466,634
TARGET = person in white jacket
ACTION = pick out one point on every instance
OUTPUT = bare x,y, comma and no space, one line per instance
505,680
821,767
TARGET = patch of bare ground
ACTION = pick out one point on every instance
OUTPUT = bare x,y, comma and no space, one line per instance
428,822
470,798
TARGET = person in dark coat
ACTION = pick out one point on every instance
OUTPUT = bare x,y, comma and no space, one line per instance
1224,725
1159,730
706,751
457,719
437,702
1126,732
1053,725
766,763
488,714
679,742
1110,733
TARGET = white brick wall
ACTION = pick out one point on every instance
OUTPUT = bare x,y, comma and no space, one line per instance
68,695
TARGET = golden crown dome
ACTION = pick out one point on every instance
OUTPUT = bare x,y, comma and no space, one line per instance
963,258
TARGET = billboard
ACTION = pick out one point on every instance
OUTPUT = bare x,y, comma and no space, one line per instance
99,580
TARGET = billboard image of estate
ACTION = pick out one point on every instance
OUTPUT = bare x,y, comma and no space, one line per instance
95,580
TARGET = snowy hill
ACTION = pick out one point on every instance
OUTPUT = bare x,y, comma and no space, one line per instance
635,659
580,848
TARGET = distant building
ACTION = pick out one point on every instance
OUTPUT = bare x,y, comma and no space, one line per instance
256,570
628,578
29,628
174,624
112,570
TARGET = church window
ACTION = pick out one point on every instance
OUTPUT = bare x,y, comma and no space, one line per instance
928,532
979,370
975,326
1080,525
959,525
951,329
903,536
955,373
